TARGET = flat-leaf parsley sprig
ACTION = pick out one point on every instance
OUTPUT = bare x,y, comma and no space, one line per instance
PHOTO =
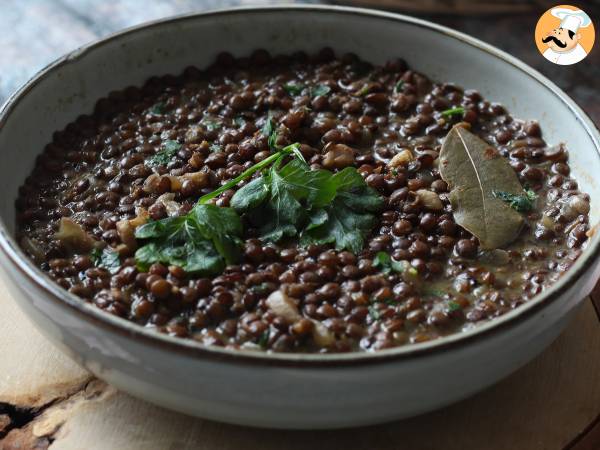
318,206
291,200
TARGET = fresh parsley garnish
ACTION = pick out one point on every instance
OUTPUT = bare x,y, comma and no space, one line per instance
293,88
454,306
206,238
433,292
202,241
270,131
386,264
521,203
158,109
107,259
320,89
290,149
317,206
342,210
453,112
239,121
164,156
211,125
364,90
374,312
383,261
260,289
398,87
263,340
214,148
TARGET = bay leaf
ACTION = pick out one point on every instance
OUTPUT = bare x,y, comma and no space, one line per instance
473,170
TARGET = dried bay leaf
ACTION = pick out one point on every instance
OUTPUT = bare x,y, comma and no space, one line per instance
473,170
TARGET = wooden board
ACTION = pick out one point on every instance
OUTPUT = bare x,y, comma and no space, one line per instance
545,405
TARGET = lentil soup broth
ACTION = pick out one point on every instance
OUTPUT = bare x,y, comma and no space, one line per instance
150,153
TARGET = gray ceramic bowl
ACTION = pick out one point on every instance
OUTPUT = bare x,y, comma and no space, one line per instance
281,390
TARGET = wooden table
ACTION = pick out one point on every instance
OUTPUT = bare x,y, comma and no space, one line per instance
46,400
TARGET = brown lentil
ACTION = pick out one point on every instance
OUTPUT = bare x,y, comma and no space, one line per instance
95,172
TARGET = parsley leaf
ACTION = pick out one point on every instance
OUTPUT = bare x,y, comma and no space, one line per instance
398,87
521,203
222,226
290,149
270,131
453,112
384,261
387,264
364,90
193,257
158,109
203,241
374,312
263,340
317,205
303,183
286,210
107,259
293,88
251,195
454,306
261,289
211,125
295,150
349,217
320,89
272,202
164,156
434,292
214,148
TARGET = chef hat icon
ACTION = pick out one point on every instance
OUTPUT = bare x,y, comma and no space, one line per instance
571,19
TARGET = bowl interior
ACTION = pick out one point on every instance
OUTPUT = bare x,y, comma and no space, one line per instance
72,86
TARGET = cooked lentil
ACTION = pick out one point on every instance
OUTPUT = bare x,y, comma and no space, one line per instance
387,121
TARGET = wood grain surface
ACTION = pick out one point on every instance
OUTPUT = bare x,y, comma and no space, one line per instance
47,401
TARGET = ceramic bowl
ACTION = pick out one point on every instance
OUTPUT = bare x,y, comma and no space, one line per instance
288,390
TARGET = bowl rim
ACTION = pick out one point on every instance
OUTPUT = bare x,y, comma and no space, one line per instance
18,260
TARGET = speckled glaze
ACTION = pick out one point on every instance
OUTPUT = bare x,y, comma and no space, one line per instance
289,390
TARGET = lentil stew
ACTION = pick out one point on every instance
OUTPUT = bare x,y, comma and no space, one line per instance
295,204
